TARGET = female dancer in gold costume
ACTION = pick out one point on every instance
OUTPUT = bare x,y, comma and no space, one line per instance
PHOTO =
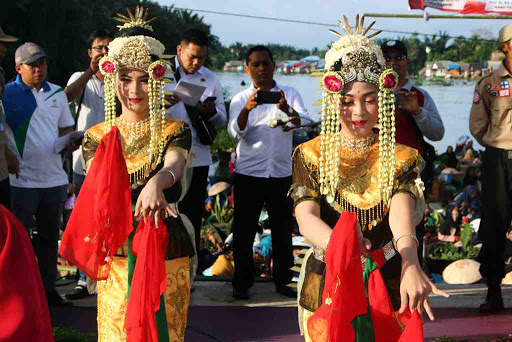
141,179
352,170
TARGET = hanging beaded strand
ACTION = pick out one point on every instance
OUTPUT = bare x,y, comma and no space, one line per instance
323,143
151,119
330,145
161,111
386,144
110,101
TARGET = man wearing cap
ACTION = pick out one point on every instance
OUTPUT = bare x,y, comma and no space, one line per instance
86,89
416,117
37,115
414,102
8,161
490,122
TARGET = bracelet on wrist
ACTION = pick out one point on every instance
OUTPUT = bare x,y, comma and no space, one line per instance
327,242
395,241
171,173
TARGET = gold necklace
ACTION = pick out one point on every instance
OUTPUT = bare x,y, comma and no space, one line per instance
135,136
355,148
354,176
357,143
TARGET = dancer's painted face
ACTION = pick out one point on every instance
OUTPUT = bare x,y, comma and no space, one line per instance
359,109
132,90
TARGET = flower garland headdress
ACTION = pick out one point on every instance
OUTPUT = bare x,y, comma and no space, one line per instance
358,59
136,52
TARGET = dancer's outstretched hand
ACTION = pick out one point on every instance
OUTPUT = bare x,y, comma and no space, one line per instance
415,287
151,202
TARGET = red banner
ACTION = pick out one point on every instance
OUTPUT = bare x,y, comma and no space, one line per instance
466,6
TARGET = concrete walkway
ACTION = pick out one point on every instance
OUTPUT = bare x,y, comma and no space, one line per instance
215,316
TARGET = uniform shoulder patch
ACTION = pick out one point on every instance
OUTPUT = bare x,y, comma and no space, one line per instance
476,97
481,79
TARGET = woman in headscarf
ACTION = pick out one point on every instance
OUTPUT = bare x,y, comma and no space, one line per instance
351,183
450,229
449,158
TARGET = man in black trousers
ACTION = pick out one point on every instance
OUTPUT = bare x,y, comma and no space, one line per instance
490,123
263,170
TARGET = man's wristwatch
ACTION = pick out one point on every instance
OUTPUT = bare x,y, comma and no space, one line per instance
290,110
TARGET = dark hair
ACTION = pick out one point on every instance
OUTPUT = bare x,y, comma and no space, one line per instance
99,33
257,48
136,31
195,36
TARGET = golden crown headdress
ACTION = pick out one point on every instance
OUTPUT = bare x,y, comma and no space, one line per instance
137,52
354,57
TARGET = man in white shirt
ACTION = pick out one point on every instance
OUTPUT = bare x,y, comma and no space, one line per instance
189,66
37,114
263,171
86,89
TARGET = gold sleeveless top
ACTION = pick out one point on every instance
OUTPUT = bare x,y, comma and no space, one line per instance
358,189
135,144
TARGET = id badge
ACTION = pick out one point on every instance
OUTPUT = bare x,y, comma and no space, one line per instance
509,154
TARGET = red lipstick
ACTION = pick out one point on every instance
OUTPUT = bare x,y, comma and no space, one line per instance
135,100
359,123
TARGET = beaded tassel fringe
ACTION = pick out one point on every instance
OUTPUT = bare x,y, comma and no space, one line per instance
330,147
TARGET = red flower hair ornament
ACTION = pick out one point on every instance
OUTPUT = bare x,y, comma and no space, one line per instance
332,82
108,66
388,80
157,70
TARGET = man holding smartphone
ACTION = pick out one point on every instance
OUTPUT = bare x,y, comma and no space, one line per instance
86,90
263,169
189,66
412,101
416,117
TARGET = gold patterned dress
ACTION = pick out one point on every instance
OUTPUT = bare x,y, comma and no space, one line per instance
358,192
114,293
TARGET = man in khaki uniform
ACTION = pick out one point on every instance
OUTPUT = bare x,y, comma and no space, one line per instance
490,122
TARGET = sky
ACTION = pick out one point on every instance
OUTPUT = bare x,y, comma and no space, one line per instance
232,29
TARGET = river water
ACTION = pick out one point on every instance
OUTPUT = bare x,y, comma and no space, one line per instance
453,102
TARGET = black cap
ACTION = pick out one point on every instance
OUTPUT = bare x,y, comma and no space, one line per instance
395,45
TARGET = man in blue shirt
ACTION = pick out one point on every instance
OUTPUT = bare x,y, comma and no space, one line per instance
37,114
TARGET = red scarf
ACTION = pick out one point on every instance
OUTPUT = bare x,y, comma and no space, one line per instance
149,282
102,217
344,295
101,222
23,305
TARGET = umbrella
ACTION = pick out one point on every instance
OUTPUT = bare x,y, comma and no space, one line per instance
508,279
217,188
465,271
451,170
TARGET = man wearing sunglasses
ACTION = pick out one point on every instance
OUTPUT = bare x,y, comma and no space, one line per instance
416,117
86,90
416,102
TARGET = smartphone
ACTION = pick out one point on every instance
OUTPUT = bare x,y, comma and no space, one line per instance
78,141
210,99
399,98
268,97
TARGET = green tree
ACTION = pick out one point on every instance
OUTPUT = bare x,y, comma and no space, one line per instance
62,27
